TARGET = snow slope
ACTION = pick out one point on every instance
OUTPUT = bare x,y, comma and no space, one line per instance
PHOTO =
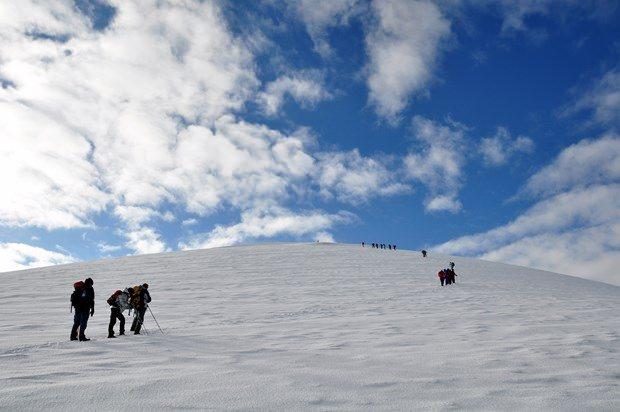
291,326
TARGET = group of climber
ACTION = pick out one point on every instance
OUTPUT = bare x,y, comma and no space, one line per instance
447,276
380,246
83,301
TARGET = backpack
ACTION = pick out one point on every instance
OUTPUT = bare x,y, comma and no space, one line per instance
78,287
134,298
112,299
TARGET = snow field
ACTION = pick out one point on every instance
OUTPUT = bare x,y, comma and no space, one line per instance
317,326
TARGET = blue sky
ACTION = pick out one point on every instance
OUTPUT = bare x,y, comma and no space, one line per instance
480,128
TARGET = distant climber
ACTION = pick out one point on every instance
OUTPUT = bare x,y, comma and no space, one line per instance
452,265
452,274
362,244
139,301
442,276
423,253
116,313
393,247
83,300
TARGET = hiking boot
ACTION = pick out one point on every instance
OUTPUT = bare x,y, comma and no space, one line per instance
84,339
121,333
137,333
73,338
111,336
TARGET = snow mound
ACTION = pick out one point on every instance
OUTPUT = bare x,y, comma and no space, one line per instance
320,326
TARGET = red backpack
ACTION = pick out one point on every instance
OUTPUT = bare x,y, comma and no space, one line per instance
112,299
77,289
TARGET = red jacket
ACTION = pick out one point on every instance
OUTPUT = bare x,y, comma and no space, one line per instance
441,274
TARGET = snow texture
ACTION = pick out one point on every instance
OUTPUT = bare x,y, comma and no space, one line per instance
313,326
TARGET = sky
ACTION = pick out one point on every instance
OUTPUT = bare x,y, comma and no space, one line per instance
478,128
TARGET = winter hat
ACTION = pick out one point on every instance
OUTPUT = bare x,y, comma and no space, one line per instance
145,285
88,281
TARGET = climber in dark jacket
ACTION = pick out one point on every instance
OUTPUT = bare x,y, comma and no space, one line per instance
83,300
140,308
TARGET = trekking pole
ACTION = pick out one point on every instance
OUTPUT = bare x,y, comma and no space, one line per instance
149,308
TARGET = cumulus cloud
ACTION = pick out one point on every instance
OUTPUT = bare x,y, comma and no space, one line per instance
439,163
107,248
306,88
497,150
146,114
94,118
524,16
18,256
189,222
573,225
403,45
353,178
144,240
601,101
319,16
46,178
583,164
589,252
268,222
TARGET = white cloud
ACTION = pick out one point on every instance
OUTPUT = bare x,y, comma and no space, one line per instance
18,256
236,163
602,101
268,222
443,203
95,119
354,178
439,163
190,222
144,240
515,13
305,87
592,206
403,46
582,164
106,248
590,252
573,226
46,179
497,150
134,215
319,16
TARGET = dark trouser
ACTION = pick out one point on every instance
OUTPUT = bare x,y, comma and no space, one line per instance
138,320
80,320
115,313
441,280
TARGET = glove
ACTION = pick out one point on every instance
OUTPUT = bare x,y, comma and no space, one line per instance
92,312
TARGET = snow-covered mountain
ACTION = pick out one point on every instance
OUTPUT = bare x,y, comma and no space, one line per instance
327,326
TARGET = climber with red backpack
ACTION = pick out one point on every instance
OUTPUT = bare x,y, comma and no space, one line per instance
83,300
442,276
